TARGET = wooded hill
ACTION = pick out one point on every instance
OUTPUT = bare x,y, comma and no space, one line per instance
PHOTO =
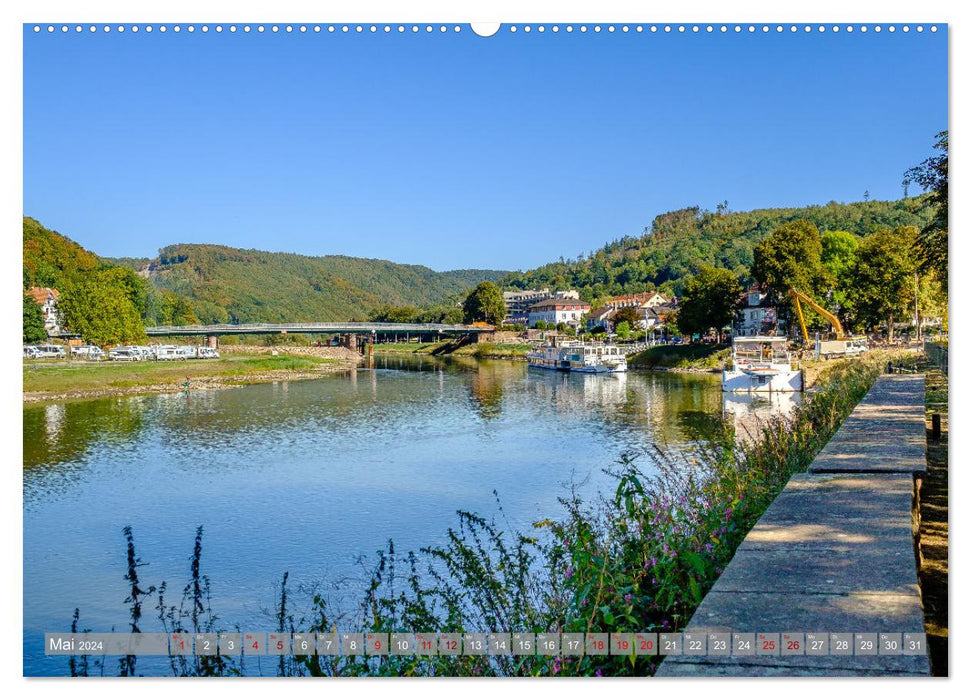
228,285
679,243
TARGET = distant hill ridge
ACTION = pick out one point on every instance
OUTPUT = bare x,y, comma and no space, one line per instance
229,285
679,242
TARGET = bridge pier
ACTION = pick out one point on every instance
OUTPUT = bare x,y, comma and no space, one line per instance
212,341
350,341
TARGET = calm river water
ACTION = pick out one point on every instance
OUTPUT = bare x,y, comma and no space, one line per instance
311,476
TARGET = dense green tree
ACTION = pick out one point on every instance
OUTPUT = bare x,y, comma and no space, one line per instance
710,300
485,304
34,331
789,257
628,315
98,309
931,174
839,258
882,277
176,310
622,330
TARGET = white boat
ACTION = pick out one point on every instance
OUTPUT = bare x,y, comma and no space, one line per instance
575,356
761,363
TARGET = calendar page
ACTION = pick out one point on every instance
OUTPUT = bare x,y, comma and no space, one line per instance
437,349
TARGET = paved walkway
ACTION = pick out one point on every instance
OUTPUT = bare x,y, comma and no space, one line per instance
833,553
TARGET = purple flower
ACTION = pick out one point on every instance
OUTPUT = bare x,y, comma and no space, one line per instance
598,673
654,581
709,547
556,666
585,601
673,554
627,597
569,572
664,624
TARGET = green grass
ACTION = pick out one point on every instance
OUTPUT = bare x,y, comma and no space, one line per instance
495,350
681,357
425,348
90,376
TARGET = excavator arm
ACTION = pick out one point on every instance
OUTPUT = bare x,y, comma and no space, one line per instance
798,297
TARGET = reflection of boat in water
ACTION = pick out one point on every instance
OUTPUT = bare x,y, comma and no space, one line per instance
761,364
750,410
575,356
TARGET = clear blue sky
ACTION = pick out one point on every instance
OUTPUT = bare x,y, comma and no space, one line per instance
453,150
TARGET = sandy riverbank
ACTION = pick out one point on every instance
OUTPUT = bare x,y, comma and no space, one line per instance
239,365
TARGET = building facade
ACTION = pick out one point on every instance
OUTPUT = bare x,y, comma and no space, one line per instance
558,310
47,298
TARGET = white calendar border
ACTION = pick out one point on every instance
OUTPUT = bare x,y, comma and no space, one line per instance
453,12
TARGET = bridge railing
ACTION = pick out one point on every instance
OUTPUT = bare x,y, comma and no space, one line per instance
324,327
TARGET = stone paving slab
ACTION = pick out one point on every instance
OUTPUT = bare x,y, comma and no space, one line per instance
826,570
833,553
759,668
885,432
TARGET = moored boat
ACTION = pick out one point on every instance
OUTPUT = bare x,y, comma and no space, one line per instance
576,356
761,363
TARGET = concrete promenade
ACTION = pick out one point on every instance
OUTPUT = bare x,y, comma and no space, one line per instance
835,552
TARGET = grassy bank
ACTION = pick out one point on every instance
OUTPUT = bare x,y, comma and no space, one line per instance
51,380
641,560
934,523
682,357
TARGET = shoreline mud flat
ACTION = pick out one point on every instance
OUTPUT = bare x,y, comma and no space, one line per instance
340,360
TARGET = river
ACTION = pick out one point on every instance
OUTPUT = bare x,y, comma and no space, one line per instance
310,476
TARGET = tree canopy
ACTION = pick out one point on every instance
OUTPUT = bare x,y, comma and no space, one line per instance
100,310
710,300
791,256
883,276
485,304
34,331
931,174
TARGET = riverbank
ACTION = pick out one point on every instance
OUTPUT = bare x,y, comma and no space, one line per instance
682,358
63,380
484,351
934,521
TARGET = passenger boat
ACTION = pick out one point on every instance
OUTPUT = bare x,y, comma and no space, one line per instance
575,356
761,363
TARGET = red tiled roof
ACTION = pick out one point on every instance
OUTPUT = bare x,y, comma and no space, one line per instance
40,294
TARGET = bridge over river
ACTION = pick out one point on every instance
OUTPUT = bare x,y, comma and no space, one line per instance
349,329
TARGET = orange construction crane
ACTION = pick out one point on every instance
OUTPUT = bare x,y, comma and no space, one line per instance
797,297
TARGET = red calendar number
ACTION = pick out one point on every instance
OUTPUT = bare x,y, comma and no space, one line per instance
622,644
598,644
452,645
792,645
646,645
768,645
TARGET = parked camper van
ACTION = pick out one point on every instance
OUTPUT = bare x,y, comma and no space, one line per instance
87,352
125,353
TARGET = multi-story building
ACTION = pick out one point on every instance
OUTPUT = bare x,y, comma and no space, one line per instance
758,316
47,299
518,302
556,310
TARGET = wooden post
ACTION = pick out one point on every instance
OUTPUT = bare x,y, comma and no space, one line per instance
936,426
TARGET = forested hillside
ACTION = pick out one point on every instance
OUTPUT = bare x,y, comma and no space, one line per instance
228,285
679,243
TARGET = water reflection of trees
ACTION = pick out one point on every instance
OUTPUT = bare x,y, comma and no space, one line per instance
64,432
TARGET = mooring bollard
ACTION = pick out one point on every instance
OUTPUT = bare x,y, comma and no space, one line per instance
936,426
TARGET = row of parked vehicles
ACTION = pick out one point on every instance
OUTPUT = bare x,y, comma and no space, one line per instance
122,353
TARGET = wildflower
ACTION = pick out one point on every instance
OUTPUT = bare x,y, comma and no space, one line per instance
585,601
627,597
654,581
598,673
556,666
664,624
569,572
709,547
